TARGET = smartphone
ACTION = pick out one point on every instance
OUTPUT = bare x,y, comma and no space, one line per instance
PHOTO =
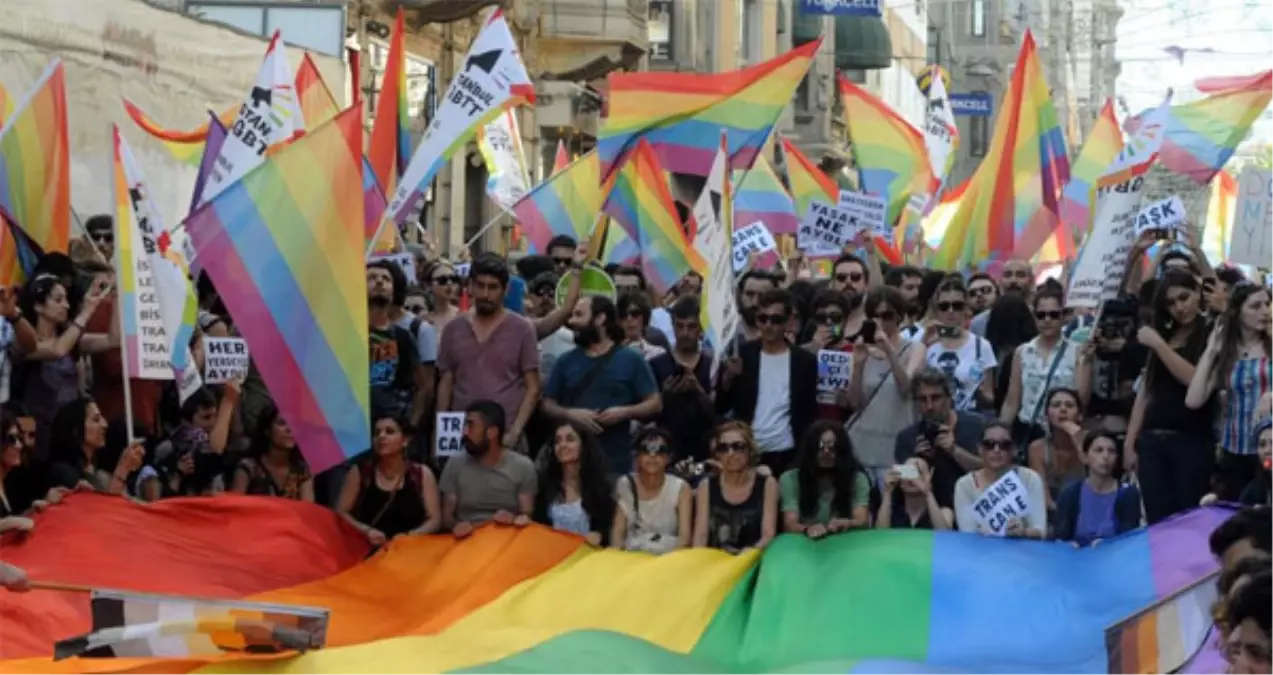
868,332
907,471
947,331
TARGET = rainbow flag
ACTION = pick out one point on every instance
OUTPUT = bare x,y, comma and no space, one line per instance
390,147
317,103
890,154
681,114
6,106
761,197
1104,142
285,248
536,600
567,203
35,164
1009,209
561,159
808,183
1166,636
1201,136
938,220
1218,227
641,202
211,147
184,146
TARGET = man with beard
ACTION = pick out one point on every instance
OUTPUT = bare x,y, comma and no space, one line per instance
602,386
394,356
488,482
1017,277
906,279
945,437
684,377
754,284
490,353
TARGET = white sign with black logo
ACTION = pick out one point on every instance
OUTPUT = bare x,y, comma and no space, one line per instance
825,230
225,359
867,212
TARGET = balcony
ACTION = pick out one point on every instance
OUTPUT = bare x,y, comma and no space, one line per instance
583,40
438,11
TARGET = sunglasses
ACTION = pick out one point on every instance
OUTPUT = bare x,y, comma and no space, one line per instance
544,291
1051,314
413,308
826,446
992,444
775,319
736,446
654,448
981,290
851,276
446,280
13,440
563,262
886,315
828,317
951,306
105,237
1017,274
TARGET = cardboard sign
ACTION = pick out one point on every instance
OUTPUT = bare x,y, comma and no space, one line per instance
450,433
1004,500
1165,216
834,369
1098,272
405,262
225,359
868,212
1253,222
753,239
825,230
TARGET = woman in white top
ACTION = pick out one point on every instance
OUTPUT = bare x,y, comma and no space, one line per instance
966,358
1047,362
997,453
658,517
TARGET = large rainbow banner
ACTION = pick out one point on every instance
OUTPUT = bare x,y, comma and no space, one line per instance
535,600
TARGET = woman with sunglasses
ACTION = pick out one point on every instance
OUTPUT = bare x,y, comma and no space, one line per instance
655,511
12,456
827,492
831,310
965,357
1236,363
738,509
1045,363
1169,445
444,285
997,454
387,494
575,494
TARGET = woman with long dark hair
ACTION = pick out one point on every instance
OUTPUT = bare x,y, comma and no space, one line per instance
79,435
574,493
828,491
274,466
1237,363
387,494
1009,325
1168,444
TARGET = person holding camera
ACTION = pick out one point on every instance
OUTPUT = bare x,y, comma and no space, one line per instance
966,357
942,436
907,500
1108,363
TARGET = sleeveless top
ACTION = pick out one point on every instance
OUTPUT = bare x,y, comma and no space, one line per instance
46,387
874,433
392,512
570,517
653,525
1249,380
260,482
731,526
1034,376
1056,479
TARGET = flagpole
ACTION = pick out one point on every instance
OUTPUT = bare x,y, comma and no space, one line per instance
498,214
116,306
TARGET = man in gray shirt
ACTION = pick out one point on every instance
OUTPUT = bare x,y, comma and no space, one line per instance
487,482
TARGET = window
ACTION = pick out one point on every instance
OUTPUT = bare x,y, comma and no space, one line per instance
979,18
421,86
855,75
752,22
934,45
978,136
660,30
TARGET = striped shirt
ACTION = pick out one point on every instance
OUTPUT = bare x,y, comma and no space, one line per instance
1250,379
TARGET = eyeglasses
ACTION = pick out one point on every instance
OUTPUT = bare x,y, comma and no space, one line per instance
981,290
13,440
958,306
446,280
829,317
654,448
826,446
851,276
1049,314
775,319
1016,274
886,315
994,444
563,262
736,446
103,237
413,308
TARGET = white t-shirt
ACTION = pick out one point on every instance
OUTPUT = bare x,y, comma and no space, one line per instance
965,366
552,348
661,319
772,424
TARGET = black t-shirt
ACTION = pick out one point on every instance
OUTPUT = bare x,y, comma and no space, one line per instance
1166,409
688,420
1114,373
900,520
393,360
946,471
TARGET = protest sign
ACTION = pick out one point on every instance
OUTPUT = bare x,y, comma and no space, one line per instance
405,262
755,239
1098,272
501,146
1005,499
225,359
1163,216
1253,223
834,368
462,270
450,434
866,212
824,230
713,213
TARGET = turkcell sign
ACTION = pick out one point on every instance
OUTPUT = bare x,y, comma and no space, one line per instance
841,7
974,104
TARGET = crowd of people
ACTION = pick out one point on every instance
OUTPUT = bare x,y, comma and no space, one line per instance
602,417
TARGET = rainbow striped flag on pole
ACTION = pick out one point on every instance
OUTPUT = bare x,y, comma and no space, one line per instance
890,154
285,248
1104,142
760,197
35,164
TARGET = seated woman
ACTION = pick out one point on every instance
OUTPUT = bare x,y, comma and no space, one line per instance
79,433
1097,507
1257,492
274,466
827,492
12,455
738,509
908,503
574,494
997,453
1055,457
191,460
387,494
655,508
